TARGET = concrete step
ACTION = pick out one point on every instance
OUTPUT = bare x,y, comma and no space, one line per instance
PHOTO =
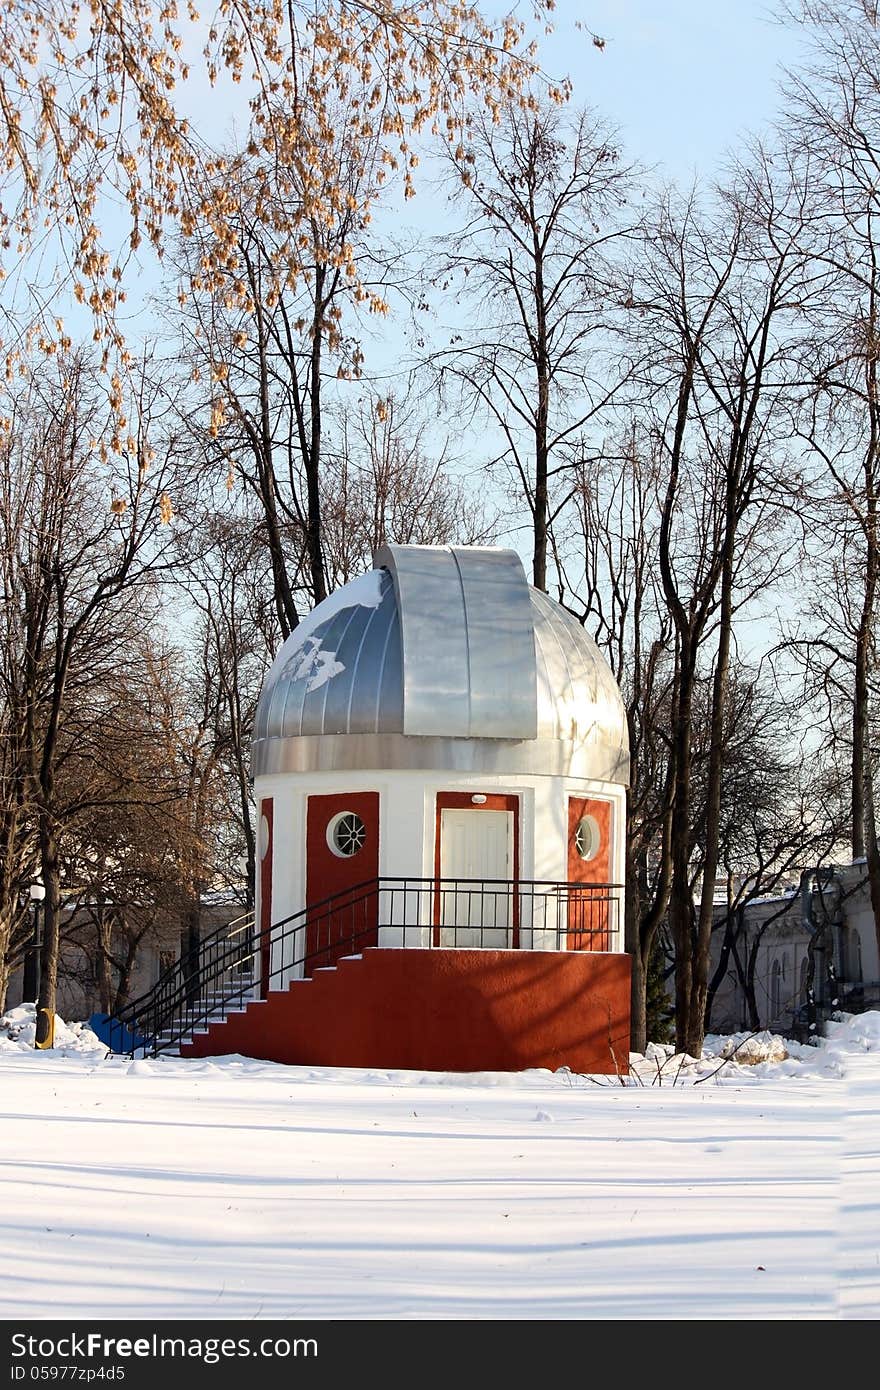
219,1007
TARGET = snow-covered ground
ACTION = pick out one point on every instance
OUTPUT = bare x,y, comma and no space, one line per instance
233,1188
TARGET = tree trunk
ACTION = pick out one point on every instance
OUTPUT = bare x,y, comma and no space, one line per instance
105,979
285,606
873,854
314,535
860,761
732,928
123,988
680,900
680,904
864,838
748,980
638,1030
7,926
49,957
702,952
638,1026
542,371
191,940
865,642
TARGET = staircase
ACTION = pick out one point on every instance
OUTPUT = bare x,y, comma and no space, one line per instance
191,990
214,1006
263,1026
325,963
222,977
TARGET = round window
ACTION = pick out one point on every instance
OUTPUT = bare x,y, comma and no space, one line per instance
346,834
264,837
587,837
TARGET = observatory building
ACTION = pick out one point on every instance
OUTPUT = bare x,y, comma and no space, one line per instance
440,762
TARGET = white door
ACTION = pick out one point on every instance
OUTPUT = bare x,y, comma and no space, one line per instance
475,845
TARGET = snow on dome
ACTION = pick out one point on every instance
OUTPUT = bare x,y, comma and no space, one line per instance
339,671
442,657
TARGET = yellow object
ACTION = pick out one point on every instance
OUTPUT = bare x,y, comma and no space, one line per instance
49,1040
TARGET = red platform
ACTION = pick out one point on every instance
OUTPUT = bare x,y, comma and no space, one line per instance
442,1010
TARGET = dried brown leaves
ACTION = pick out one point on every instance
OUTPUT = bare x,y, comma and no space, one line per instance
90,100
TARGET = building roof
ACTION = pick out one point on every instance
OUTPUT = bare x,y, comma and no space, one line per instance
441,657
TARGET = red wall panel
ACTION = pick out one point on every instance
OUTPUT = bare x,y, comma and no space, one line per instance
443,1010
330,936
588,924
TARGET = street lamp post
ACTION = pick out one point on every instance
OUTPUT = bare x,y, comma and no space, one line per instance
30,988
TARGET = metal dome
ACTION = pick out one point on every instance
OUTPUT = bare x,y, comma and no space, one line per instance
441,658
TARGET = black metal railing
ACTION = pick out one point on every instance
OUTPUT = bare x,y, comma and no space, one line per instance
234,968
179,988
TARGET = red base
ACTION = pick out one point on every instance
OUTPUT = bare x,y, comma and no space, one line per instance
442,1010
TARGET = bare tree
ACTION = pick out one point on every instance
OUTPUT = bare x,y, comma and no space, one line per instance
78,539
776,822
385,484
274,352
189,705
716,301
18,849
94,100
834,123
227,577
147,815
543,195
608,565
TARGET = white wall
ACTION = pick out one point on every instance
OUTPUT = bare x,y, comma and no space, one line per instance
407,802
786,943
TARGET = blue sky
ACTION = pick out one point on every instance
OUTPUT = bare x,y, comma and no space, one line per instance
683,79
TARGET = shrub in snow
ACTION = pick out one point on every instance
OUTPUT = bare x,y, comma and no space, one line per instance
749,1049
18,1029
